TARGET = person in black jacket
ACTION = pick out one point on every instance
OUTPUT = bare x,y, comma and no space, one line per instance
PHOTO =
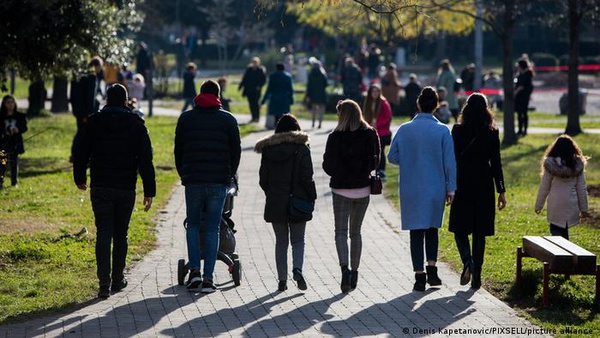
253,80
84,89
523,90
13,124
351,154
286,167
116,144
477,151
207,156
189,86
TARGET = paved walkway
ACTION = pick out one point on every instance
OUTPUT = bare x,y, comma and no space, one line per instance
382,305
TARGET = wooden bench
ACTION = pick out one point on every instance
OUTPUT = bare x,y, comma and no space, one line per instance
560,256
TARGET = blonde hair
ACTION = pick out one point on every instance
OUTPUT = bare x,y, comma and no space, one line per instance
350,117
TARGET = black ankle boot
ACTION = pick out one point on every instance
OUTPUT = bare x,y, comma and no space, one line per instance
421,279
432,276
346,276
465,276
476,281
353,279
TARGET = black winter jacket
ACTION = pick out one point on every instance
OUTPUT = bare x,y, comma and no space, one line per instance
276,166
207,145
350,156
116,144
12,143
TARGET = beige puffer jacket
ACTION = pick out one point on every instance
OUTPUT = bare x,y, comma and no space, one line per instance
565,190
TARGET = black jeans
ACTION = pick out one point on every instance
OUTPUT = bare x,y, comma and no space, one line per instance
416,246
464,248
112,212
253,98
555,230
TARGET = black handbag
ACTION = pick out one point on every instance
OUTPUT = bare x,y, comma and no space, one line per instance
376,185
299,209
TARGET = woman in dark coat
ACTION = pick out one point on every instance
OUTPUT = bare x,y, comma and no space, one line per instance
279,93
523,89
477,151
286,167
316,93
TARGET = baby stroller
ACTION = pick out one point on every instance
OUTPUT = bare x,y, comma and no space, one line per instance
226,253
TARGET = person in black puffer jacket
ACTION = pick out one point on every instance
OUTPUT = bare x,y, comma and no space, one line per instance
116,144
207,156
351,153
286,168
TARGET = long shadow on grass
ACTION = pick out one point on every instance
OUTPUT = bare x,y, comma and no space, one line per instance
571,300
30,167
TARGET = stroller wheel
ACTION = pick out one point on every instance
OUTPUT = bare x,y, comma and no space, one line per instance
181,271
236,274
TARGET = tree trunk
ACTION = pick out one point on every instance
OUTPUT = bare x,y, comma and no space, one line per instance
510,137
573,111
60,100
37,98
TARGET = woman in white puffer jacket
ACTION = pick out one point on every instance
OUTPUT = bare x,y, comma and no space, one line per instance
563,184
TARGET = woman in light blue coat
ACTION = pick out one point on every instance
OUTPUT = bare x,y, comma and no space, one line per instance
424,151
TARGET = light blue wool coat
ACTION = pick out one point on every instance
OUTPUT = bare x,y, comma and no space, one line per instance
424,151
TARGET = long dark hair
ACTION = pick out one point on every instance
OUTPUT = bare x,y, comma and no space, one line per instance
567,149
3,110
476,114
370,110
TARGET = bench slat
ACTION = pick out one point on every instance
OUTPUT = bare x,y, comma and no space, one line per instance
546,251
584,260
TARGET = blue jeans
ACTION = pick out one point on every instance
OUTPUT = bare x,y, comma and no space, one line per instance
204,203
112,212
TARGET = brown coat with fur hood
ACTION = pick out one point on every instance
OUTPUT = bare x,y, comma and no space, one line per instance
565,190
277,167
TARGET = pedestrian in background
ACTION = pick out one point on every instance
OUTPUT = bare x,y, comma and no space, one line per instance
378,113
563,186
351,153
189,86
13,124
83,96
253,80
523,90
446,77
207,155
351,79
478,163
285,168
424,151
279,94
222,81
316,91
136,88
390,86
116,146
412,90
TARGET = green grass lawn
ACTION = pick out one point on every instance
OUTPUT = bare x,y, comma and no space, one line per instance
38,217
571,300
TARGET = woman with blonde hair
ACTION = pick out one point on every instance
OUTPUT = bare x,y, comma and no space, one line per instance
351,153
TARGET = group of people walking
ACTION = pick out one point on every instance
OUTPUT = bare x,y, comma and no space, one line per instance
439,167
